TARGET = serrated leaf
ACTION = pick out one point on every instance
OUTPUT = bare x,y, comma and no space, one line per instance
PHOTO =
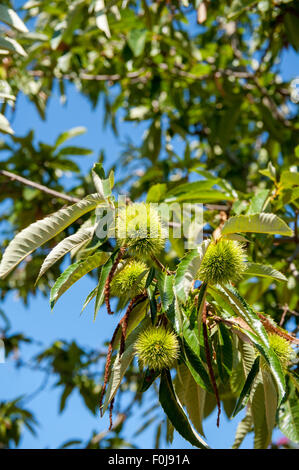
89,298
257,223
101,284
175,412
263,270
151,291
262,436
244,427
271,401
191,396
65,246
261,341
187,270
75,272
258,201
245,392
288,419
165,287
196,367
136,316
122,363
224,353
242,309
40,232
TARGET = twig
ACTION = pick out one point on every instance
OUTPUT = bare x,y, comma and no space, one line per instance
161,266
38,186
109,278
124,321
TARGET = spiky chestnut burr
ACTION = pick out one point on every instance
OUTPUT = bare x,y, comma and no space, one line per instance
222,263
157,348
282,349
129,280
140,228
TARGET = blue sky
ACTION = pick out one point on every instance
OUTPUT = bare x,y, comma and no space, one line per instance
65,322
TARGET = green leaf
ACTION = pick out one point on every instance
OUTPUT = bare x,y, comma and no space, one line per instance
289,178
101,284
245,311
150,277
42,231
165,287
4,125
149,377
204,197
156,192
89,298
72,150
187,270
191,351
122,363
175,412
288,419
271,401
244,427
239,6
137,40
258,223
8,16
151,291
291,26
224,353
196,367
244,395
262,436
263,270
75,272
270,172
190,188
65,246
102,185
191,396
9,44
136,316
101,18
258,201
74,132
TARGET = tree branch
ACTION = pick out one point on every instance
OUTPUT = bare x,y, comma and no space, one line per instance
40,187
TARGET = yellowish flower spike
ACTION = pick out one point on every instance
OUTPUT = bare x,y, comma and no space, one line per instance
222,263
157,348
139,227
282,349
129,280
